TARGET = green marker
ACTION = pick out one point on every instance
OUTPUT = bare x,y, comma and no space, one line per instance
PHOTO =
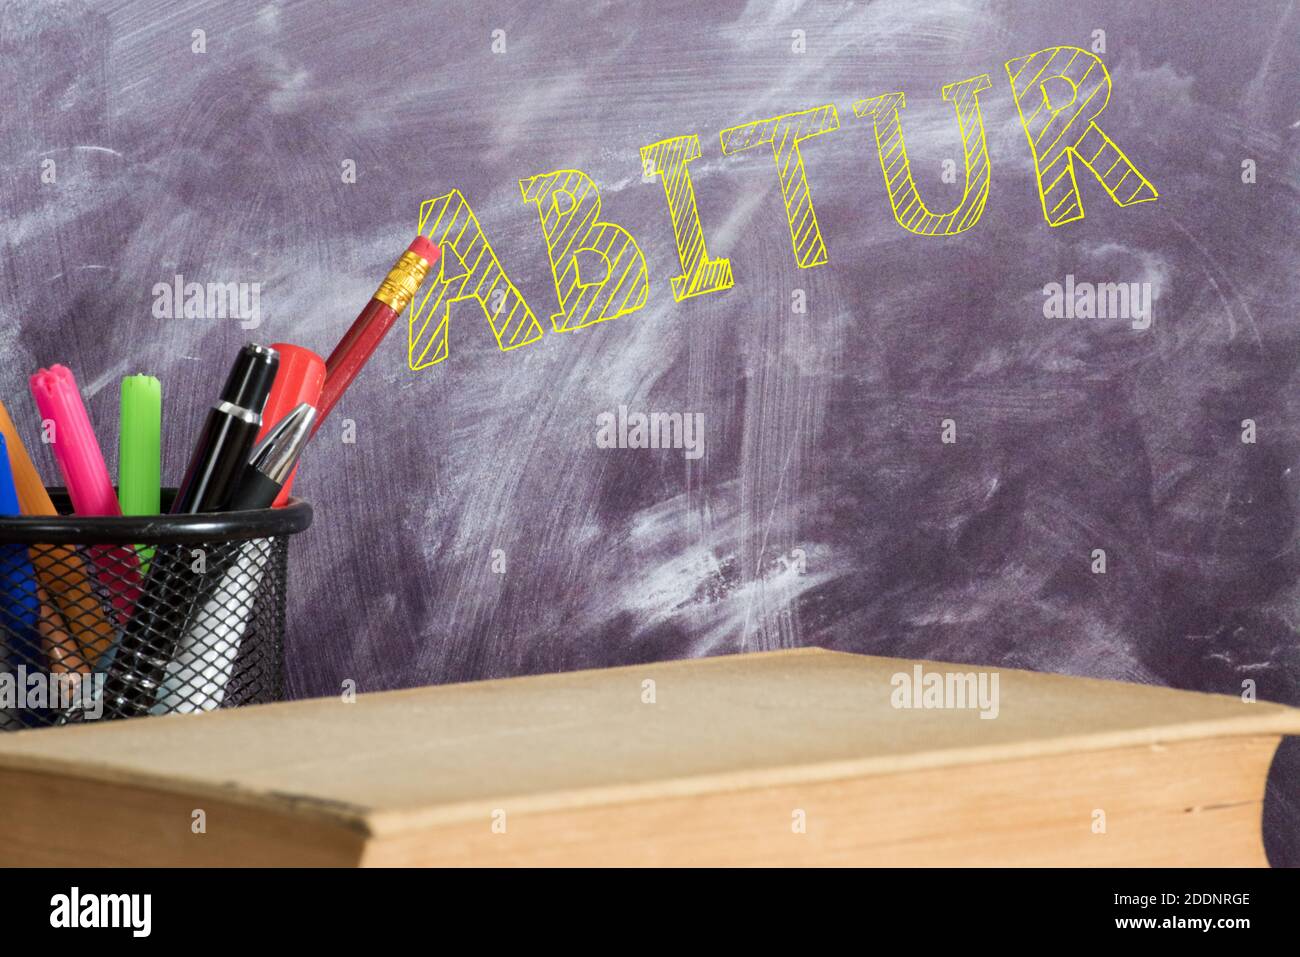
139,461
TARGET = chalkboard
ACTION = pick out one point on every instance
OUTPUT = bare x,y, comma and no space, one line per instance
907,444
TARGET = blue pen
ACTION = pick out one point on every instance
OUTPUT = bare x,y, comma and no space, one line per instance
20,604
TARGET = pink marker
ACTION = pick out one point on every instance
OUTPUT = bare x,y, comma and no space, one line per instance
84,473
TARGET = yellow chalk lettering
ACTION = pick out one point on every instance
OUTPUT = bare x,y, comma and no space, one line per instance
668,160
478,275
785,133
1070,82
569,206
910,210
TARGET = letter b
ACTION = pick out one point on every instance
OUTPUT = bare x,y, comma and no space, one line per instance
569,206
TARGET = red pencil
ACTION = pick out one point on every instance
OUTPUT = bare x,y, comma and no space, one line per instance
392,296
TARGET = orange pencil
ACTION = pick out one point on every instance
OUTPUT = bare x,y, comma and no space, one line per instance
60,570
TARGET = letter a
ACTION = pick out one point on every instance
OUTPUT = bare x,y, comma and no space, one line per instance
909,210
1079,84
569,206
785,133
477,275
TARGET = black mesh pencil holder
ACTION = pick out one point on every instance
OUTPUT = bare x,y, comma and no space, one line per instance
104,618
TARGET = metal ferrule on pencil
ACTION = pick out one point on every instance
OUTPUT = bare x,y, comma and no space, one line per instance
403,281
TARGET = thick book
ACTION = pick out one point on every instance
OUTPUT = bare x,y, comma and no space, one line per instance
803,757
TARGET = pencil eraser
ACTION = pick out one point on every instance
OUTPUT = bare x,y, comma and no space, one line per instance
425,248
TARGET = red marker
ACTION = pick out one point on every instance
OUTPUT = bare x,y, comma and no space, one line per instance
394,295
299,379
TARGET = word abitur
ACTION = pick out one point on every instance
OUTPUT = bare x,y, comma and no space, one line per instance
1059,93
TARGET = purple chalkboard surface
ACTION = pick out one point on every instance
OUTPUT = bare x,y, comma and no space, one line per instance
469,524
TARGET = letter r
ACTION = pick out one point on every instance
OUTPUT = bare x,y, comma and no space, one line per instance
1069,83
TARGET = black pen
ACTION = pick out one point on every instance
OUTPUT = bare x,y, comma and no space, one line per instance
273,460
229,432
174,586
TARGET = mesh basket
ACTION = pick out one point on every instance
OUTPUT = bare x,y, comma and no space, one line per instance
106,618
